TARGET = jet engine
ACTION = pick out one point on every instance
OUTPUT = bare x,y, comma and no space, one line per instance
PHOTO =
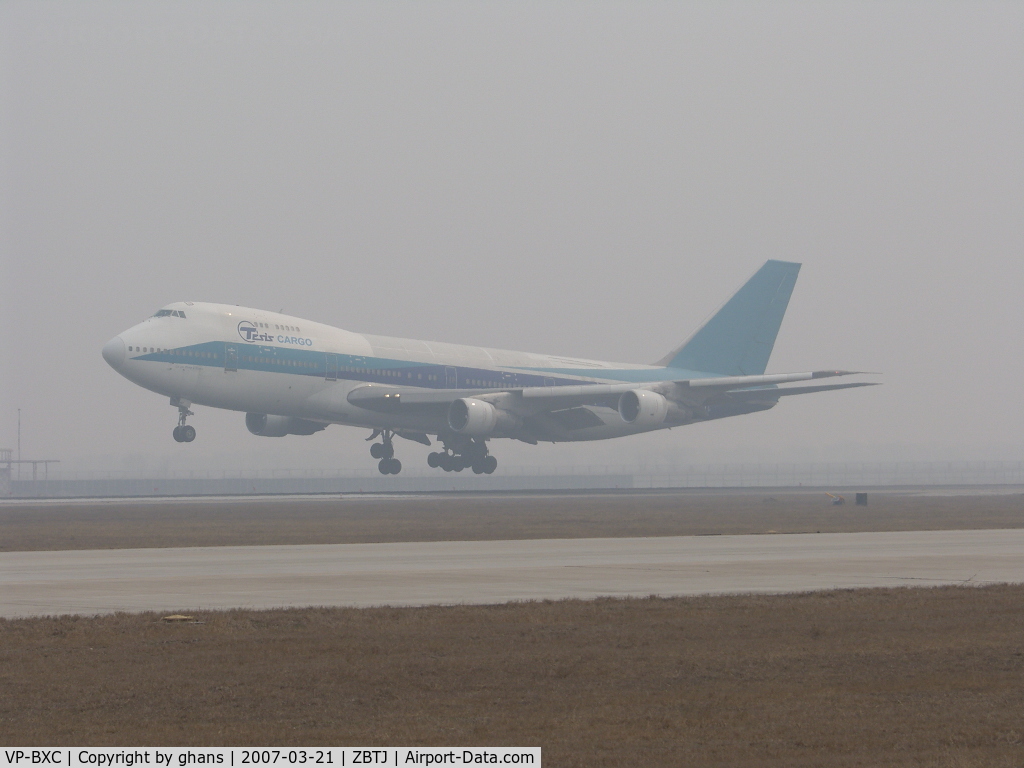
278,426
643,408
477,418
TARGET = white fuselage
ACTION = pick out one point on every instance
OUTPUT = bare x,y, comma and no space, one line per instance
254,361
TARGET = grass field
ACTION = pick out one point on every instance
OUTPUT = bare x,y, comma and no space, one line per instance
444,517
922,677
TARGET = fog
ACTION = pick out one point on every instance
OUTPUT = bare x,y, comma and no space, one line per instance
588,179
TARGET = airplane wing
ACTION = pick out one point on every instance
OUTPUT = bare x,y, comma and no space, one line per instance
380,397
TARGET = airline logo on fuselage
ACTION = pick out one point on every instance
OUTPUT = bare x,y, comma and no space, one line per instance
249,332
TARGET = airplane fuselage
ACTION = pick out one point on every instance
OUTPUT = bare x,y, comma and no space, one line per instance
295,377
261,362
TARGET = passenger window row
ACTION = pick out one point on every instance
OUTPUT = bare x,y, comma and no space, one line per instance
278,327
175,352
276,361
387,372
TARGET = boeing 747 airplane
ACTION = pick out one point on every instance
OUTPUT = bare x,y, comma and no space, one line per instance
296,377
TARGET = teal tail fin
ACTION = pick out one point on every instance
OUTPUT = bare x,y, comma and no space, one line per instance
738,339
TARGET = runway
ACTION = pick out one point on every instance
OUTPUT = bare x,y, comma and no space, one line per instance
71,503
425,573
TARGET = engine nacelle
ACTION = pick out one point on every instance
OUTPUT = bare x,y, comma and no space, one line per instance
278,426
643,408
477,418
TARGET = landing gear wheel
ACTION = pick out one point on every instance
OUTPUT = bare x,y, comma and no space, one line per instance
384,449
490,464
389,466
433,460
478,468
183,433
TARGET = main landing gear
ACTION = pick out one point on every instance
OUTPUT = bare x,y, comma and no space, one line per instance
459,456
459,453
183,433
385,451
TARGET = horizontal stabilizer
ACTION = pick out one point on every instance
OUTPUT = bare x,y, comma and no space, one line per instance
773,393
770,378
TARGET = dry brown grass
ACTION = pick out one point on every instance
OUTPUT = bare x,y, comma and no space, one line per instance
482,517
923,677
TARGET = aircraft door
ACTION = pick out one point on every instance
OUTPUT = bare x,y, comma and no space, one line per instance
332,367
450,377
230,357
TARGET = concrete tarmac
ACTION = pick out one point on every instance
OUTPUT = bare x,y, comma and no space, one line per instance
426,573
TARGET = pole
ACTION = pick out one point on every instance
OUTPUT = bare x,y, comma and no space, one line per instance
19,443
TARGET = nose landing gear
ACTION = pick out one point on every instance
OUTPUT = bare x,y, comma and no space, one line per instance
385,451
183,433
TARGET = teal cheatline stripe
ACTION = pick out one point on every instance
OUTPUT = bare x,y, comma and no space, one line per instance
210,353
738,339
360,368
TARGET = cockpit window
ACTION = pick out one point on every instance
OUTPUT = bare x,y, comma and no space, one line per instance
170,313
162,313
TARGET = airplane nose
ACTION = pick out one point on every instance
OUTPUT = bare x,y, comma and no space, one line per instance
113,352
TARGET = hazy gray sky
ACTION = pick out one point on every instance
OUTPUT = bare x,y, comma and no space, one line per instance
574,178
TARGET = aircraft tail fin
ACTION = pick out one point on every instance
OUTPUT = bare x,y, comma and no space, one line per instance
738,339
